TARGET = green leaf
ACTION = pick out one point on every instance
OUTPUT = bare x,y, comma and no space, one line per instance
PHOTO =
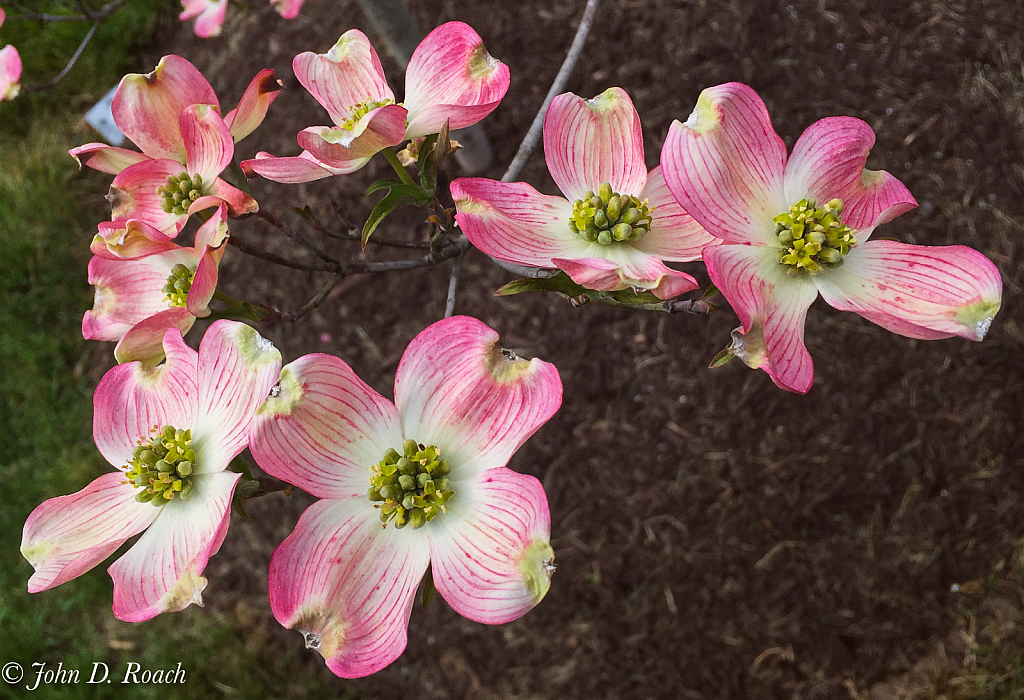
242,182
384,184
397,196
711,291
722,358
307,214
240,465
629,296
429,591
427,163
560,283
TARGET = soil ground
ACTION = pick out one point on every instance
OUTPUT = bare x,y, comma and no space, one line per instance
715,536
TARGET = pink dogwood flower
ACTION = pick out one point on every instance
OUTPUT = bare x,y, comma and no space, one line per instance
146,284
288,9
10,69
208,16
798,227
616,222
173,115
450,77
403,487
170,432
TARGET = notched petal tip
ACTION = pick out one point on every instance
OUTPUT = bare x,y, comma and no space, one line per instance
978,317
481,63
255,349
283,396
188,590
537,566
321,631
705,115
505,366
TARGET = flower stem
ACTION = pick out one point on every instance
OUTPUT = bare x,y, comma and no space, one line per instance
392,158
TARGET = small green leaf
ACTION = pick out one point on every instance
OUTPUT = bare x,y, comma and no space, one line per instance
384,184
429,591
560,283
307,214
711,291
240,465
722,358
240,179
630,296
396,197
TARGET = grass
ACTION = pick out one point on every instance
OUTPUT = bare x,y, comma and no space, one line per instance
48,213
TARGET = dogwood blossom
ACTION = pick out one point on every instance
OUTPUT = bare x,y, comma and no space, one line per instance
450,77
173,115
10,68
170,431
616,222
422,481
798,227
208,16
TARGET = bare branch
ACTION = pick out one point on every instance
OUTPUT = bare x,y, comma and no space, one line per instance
453,286
86,16
33,87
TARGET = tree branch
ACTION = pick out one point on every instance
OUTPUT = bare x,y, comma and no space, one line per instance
33,87
453,287
99,14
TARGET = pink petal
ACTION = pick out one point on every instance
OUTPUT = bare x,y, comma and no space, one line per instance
132,398
146,107
143,342
348,74
725,165
129,240
451,77
674,235
209,16
590,142
66,536
489,551
208,143
457,389
301,168
10,73
924,292
342,148
162,572
348,585
214,231
238,202
106,159
828,163
204,284
288,9
133,195
324,429
771,306
237,369
253,106
621,267
514,222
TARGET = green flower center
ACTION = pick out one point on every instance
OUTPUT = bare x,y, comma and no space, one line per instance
410,488
179,192
162,466
361,110
813,238
179,282
607,216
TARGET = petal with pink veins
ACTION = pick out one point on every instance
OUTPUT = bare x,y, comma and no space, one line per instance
295,169
106,159
925,292
771,306
347,585
674,235
143,341
344,77
590,142
288,9
238,202
725,165
452,78
204,284
162,572
323,428
828,163
66,536
619,266
456,388
208,143
131,399
237,369
146,107
10,73
514,222
129,240
253,106
208,14
489,550
133,195
338,146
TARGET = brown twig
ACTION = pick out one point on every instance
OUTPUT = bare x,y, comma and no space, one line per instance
35,87
86,16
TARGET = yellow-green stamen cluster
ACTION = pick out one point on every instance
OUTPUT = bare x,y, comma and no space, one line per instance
179,282
361,110
179,192
162,466
411,488
607,216
813,238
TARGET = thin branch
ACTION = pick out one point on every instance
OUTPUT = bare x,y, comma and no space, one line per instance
697,307
32,87
312,303
99,14
453,286
277,259
270,218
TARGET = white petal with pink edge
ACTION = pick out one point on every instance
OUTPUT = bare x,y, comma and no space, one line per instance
590,142
208,143
379,128
294,169
146,107
489,551
66,536
237,369
253,106
674,235
620,266
323,428
143,341
162,572
106,159
828,163
452,78
725,165
512,221
129,240
131,399
926,292
348,585
456,388
771,306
